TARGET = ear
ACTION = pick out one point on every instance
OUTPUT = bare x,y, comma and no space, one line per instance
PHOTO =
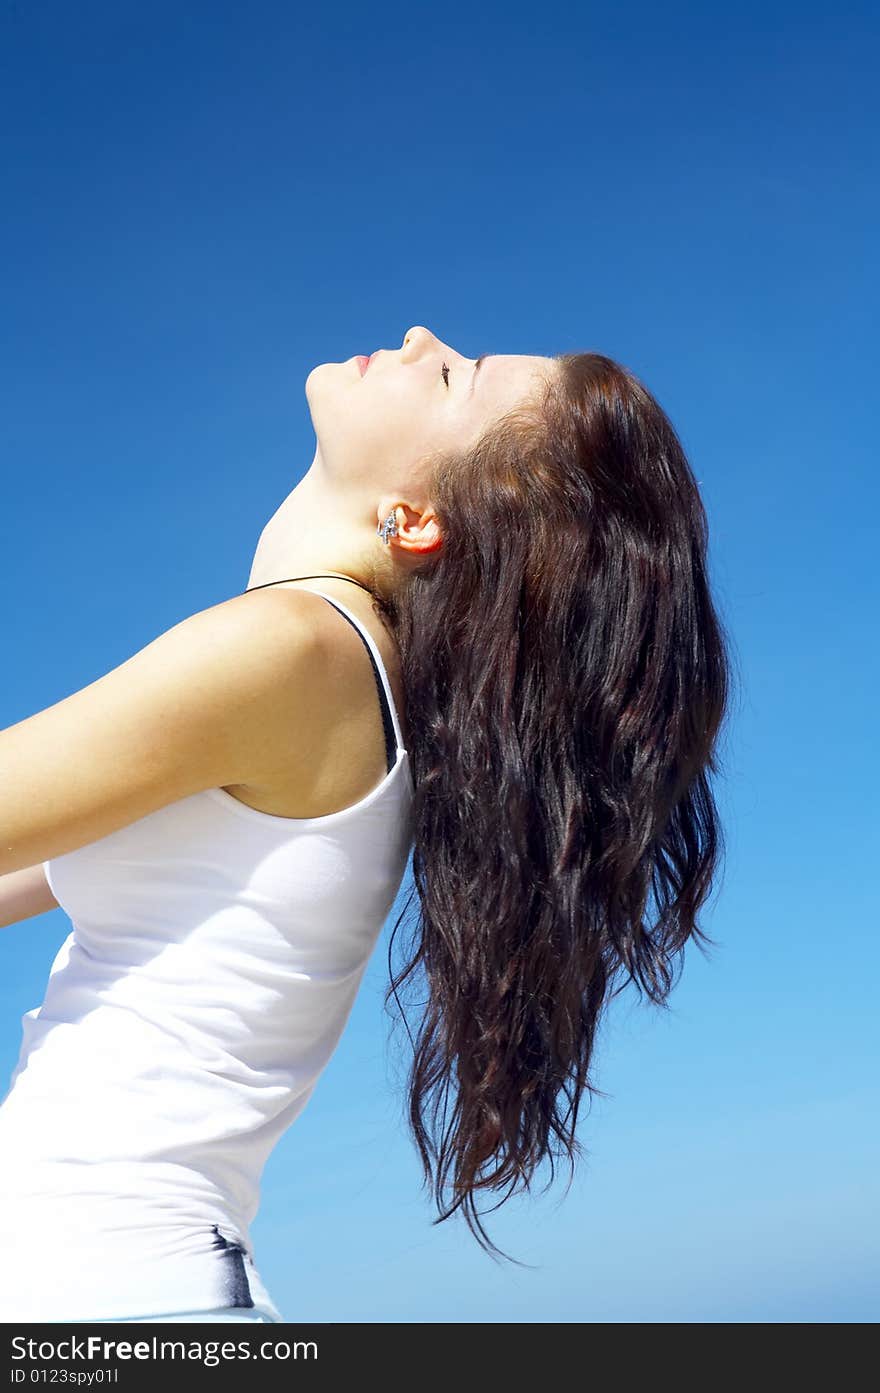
418,530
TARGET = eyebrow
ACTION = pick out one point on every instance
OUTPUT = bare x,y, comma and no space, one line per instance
477,365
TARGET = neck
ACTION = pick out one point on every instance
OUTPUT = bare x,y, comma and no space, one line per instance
312,533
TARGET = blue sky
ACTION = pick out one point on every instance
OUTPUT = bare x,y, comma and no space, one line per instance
201,202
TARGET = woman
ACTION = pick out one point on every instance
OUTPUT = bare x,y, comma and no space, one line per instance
519,545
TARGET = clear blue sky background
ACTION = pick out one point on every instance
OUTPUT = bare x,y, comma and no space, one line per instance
203,201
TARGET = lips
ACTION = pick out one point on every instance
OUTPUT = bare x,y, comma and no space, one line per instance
363,363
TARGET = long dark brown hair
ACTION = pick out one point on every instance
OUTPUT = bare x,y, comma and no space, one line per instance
566,677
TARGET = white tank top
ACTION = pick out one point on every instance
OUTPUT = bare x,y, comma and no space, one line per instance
215,955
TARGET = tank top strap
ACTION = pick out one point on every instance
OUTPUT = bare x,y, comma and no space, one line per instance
390,719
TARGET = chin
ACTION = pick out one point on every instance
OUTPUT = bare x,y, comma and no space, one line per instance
310,380
313,381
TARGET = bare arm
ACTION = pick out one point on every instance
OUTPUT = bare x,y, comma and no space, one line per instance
23,894
210,702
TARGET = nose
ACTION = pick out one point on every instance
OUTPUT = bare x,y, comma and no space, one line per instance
417,339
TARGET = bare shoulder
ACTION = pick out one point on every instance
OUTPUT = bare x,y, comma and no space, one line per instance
292,635
283,641
244,655
276,626
324,746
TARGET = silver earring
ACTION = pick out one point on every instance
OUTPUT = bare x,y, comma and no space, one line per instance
388,528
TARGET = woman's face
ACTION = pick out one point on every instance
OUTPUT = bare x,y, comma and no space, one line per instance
377,427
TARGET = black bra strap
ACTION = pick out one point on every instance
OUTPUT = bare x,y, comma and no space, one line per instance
387,725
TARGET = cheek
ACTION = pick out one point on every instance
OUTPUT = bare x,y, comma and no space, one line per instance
366,425
383,413
358,427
